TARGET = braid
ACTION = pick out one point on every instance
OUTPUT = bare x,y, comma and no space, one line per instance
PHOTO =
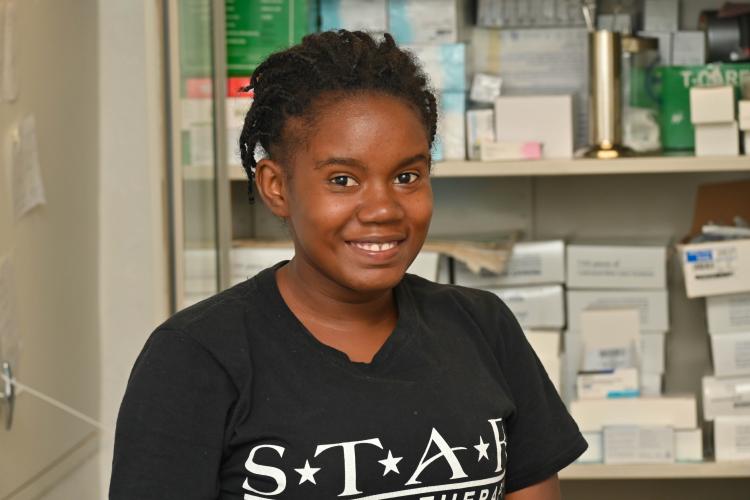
288,82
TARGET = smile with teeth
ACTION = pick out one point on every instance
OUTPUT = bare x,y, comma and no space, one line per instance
375,247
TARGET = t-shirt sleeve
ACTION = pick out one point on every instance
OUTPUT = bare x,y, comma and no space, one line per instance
171,425
542,436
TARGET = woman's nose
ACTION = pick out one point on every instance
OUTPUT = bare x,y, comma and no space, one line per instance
379,204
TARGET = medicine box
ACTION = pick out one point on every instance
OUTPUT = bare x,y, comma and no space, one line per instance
688,445
632,444
725,396
619,383
450,141
716,268
444,64
651,352
354,15
730,353
743,115
426,21
717,139
616,266
651,384
530,263
535,306
480,128
728,313
732,438
547,119
661,15
710,105
651,304
678,412
688,48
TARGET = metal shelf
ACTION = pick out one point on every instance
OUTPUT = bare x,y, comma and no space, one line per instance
703,470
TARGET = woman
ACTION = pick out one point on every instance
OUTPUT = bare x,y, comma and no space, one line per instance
337,375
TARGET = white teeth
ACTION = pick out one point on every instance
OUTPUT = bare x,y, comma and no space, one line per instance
376,247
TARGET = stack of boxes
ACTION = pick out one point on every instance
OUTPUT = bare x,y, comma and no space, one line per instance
661,20
532,287
712,112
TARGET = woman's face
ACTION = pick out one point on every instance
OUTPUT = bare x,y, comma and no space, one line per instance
359,200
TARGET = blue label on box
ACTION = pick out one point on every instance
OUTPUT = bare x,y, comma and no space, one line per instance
699,256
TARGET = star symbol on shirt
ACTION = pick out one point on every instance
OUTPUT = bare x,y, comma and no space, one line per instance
307,473
390,463
482,449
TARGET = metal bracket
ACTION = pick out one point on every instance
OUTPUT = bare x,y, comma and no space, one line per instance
8,395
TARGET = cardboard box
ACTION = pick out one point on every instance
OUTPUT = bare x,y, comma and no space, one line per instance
661,15
480,128
547,119
728,313
426,21
688,48
715,268
732,438
651,384
619,383
444,65
730,353
717,139
616,266
639,445
354,15
688,445
712,105
530,263
503,151
652,305
450,141
535,306
653,353
678,412
725,397
743,115
594,454
610,329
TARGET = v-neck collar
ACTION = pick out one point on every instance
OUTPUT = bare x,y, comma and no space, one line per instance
286,320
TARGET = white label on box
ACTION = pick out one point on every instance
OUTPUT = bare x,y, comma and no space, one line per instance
535,307
730,353
615,266
725,397
728,313
732,438
619,383
716,268
638,445
651,304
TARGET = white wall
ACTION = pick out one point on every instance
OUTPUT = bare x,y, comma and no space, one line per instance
133,279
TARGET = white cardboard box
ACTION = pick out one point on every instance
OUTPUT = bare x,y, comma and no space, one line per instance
622,382
743,114
679,412
730,353
712,105
688,445
545,118
652,384
728,313
530,263
616,266
535,306
661,15
480,128
651,353
639,445
725,397
689,48
732,438
717,139
425,21
610,329
652,305
716,268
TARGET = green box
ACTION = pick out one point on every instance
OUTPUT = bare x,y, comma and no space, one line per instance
257,28
677,131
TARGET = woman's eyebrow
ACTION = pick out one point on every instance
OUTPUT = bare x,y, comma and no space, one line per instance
352,162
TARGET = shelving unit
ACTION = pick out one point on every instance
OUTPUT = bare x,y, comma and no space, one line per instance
658,471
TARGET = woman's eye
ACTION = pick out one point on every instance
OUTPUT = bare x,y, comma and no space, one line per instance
343,180
406,178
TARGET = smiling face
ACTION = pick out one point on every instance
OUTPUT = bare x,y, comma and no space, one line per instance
357,199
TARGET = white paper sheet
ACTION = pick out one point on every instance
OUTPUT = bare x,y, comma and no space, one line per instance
28,190
10,342
8,67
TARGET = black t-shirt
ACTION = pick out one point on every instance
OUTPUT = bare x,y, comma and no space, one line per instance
234,399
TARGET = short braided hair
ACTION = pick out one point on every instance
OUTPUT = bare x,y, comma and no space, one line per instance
288,82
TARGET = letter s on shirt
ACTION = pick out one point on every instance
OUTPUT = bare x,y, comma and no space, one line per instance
265,470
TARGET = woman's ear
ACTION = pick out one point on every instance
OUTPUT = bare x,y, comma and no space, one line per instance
272,184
